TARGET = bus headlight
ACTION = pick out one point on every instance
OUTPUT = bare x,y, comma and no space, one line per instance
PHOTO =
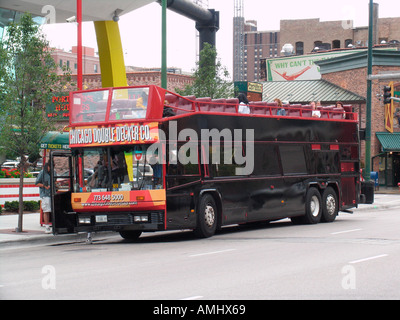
143,218
84,220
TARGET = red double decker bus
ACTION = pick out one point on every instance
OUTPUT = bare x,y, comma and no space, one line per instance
146,159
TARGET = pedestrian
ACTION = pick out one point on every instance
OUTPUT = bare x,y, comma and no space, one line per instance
43,181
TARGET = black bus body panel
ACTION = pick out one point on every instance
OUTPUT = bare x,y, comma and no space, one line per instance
266,196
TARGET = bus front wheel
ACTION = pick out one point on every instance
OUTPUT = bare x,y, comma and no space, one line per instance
130,234
206,217
313,206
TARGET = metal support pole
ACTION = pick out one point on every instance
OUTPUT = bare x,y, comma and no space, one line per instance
79,55
164,45
368,113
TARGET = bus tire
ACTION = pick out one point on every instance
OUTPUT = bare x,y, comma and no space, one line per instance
330,205
207,217
130,234
313,206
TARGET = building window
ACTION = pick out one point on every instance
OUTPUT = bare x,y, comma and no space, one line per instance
61,63
95,68
335,44
348,42
300,48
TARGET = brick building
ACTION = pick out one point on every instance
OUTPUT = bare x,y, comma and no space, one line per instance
350,72
307,35
93,81
90,61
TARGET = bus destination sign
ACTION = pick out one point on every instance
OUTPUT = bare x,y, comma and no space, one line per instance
92,136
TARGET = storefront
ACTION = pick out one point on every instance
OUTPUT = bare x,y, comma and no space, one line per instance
389,159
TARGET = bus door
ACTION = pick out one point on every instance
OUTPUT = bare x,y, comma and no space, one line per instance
62,217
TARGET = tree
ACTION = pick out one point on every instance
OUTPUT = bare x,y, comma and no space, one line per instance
27,79
209,77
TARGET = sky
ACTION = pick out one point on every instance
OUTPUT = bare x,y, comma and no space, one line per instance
141,29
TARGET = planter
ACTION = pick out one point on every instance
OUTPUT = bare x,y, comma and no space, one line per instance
9,190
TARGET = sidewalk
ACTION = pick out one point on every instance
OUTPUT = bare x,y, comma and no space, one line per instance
33,233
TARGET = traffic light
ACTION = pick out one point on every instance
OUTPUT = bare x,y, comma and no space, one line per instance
387,94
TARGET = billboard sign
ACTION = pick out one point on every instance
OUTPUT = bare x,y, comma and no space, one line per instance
299,67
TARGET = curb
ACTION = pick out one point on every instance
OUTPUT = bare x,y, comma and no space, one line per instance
50,239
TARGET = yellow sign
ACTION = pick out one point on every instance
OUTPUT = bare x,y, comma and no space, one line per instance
389,111
255,87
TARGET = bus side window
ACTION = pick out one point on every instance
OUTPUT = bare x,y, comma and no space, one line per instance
267,160
288,154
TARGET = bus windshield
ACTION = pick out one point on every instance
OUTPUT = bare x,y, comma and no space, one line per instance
126,103
129,103
120,169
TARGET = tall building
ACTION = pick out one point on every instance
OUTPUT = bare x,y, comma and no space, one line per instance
238,41
250,46
258,45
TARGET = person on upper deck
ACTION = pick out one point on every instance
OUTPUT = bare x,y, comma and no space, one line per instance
339,105
243,103
281,109
315,112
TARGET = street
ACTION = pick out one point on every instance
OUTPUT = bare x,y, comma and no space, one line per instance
355,257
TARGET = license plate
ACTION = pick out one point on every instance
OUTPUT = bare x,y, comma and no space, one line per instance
102,218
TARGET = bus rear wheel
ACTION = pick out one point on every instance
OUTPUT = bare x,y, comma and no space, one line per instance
206,217
330,205
130,234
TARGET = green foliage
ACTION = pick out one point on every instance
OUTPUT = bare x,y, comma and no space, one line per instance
210,77
13,173
13,206
27,79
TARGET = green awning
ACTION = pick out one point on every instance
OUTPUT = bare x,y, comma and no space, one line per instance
389,141
55,140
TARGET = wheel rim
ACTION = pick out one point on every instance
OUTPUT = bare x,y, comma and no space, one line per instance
314,206
209,215
330,204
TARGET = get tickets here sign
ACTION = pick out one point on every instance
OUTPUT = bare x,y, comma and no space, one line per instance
93,136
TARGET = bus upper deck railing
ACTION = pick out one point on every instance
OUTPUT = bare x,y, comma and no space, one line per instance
189,104
110,105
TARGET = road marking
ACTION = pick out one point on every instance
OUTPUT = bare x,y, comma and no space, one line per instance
367,259
209,253
346,231
193,298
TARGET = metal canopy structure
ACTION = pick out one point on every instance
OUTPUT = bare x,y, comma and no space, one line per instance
104,14
304,91
92,10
